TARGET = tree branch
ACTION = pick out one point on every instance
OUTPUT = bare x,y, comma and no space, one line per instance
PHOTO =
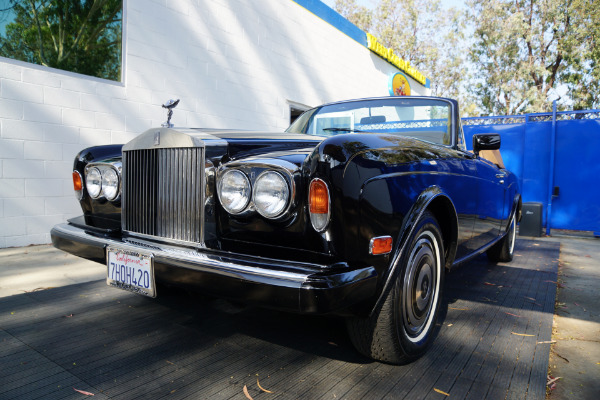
92,38
49,25
39,37
95,6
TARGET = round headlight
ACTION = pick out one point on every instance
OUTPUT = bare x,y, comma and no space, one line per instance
93,182
234,191
271,194
110,184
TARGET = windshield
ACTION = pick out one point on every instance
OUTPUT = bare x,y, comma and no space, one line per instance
424,119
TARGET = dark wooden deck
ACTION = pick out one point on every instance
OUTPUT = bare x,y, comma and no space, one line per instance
123,346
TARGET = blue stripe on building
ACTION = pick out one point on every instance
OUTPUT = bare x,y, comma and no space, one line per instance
323,11
327,14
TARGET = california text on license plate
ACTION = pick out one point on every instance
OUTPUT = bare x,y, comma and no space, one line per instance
130,270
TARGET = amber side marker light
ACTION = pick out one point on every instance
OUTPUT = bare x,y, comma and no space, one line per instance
318,204
319,197
380,245
77,185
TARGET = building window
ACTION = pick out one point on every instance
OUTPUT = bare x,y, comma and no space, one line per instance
83,36
296,109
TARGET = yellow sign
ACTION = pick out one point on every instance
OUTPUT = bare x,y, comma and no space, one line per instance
388,54
399,85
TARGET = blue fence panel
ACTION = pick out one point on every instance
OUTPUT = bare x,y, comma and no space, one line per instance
536,163
527,151
577,175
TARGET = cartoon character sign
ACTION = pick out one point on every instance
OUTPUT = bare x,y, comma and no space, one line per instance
399,85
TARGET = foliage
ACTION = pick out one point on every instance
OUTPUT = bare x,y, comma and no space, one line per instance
360,16
519,52
500,57
82,36
582,74
424,33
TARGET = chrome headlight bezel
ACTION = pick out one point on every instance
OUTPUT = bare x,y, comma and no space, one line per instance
102,169
93,181
245,200
110,182
257,187
254,169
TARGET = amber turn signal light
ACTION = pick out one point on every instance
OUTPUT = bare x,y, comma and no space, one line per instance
318,204
77,184
318,197
380,245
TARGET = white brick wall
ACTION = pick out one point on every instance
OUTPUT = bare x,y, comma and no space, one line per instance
233,64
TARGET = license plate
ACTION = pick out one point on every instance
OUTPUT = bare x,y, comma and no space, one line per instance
131,271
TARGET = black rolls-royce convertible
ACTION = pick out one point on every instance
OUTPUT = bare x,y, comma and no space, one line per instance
358,209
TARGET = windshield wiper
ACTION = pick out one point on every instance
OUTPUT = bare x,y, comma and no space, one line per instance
342,130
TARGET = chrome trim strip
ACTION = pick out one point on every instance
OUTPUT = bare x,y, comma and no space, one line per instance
213,263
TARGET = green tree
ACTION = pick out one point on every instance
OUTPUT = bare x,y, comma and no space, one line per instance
360,16
582,74
82,36
424,33
525,48
501,56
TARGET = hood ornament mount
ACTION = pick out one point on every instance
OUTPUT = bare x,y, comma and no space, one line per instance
169,105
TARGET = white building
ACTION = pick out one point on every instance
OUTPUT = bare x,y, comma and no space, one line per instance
233,63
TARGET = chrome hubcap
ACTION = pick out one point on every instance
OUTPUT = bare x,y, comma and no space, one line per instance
420,287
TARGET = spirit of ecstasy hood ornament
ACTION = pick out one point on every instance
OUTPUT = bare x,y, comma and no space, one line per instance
169,105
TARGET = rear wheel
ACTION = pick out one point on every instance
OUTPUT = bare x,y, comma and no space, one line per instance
404,326
503,251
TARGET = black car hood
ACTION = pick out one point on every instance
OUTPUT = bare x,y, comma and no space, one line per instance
239,144
245,135
229,144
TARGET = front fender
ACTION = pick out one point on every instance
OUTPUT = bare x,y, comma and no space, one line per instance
100,212
434,199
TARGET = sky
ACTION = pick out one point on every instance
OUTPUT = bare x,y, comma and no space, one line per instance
370,3
6,15
460,4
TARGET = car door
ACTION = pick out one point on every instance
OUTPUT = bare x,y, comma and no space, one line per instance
491,202
463,191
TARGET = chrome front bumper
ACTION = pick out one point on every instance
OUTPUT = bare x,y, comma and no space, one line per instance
289,285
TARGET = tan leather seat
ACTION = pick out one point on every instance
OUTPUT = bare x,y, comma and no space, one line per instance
493,156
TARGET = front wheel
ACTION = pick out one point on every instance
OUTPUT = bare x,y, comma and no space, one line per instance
404,326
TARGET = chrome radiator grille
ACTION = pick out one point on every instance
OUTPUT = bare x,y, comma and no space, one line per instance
162,193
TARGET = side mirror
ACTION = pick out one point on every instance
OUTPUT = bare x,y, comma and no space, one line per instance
487,141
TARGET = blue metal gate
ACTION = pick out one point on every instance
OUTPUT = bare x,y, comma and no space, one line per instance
556,157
